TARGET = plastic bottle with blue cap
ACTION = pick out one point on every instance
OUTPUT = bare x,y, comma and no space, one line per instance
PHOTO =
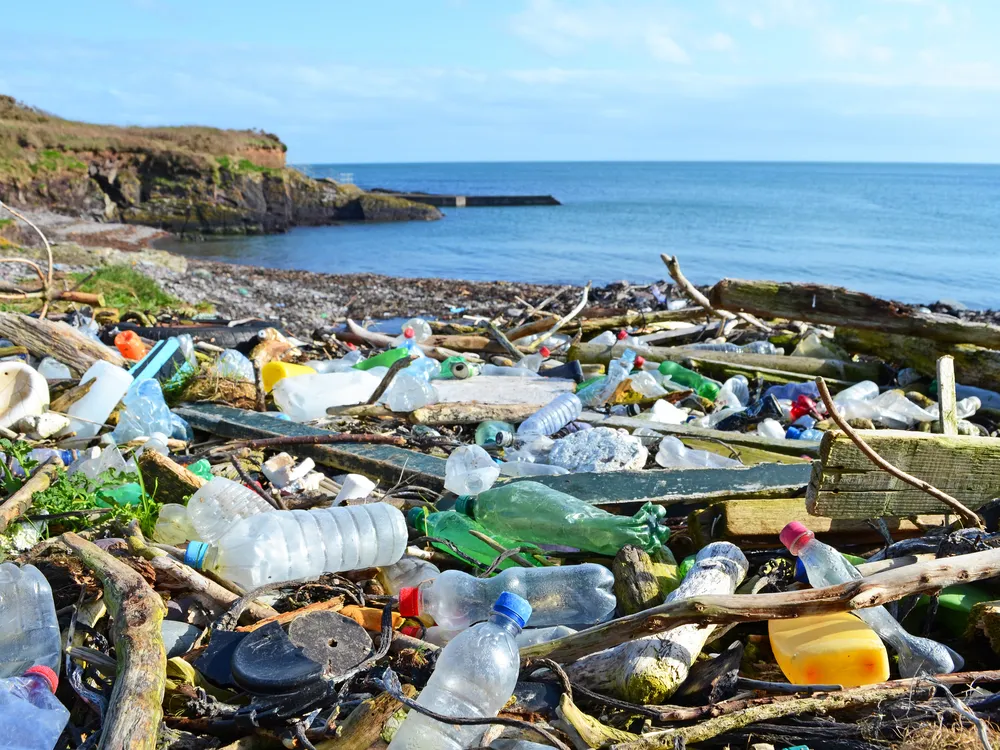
475,676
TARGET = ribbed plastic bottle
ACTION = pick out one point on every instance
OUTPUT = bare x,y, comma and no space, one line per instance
562,595
532,512
754,347
287,545
553,416
216,506
825,566
31,717
173,525
29,631
475,675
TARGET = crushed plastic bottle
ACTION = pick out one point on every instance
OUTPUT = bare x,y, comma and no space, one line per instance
607,338
31,717
553,416
145,413
288,545
454,527
92,409
475,675
771,428
495,434
470,470
407,341
560,595
825,566
51,368
216,506
29,629
892,409
234,366
309,396
412,388
532,512
600,392
665,412
673,454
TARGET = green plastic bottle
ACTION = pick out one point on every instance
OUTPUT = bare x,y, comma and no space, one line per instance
126,494
455,528
704,387
201,468
385,359
535,513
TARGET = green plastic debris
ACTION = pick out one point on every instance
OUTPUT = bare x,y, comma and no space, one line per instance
535,513
955,603
385,359
201,468
448,365
704,387
126,494
487,432
455,528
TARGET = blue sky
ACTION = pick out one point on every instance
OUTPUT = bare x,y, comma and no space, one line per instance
472,80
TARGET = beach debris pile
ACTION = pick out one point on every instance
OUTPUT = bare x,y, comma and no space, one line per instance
760,515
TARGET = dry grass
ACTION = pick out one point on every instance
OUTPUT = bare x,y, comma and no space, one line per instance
950,737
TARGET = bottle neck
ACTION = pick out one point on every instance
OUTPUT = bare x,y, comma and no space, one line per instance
505,622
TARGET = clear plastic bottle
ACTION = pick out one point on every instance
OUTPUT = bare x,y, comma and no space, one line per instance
407,573
771,428
791,391
31,717
507,372
532,512
530,469
563,595
533,362
216,506
411,388
173,526
51,368
470,470
646,384
735,393
94,407
288,545
146,412
309,396
475,675
420,327
233,365
825,566
494,434
345,363
600,392
754,347
29,630
439,636
553,416
673,454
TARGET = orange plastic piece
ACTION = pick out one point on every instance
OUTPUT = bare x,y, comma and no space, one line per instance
370,618
130,345
837,649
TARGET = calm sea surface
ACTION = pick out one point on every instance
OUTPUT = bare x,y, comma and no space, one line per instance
916,233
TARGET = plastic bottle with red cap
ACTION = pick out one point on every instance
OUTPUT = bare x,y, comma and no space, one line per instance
559,595
825,566
31,717
533,362
29,629
475,675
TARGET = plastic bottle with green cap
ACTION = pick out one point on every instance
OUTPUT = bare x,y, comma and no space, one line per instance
455,527
532,512
704,387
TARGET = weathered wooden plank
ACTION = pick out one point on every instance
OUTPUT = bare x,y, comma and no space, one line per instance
386,463
832,305
769,448
977,366
806,366
759,521
43,338
947,403
845,484
494,389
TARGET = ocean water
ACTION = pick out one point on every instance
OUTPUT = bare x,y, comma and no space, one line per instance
912,232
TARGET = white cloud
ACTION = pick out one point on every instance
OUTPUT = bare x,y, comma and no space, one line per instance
562,28
720,42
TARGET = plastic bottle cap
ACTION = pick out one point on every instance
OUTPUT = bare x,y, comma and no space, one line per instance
512,606
417,519
465,505
503,438
45,673
545,352
409,601
792,533
409,333
622,334
194,555
411,630
352,347
640,361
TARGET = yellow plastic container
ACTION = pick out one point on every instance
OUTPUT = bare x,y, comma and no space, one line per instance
837,649
272,372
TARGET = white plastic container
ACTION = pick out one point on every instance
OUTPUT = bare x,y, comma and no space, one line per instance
355,487
470,470
412,388
288,545
23,392
475,675
216,506
31,717
309,396
29,631
565,595
112,383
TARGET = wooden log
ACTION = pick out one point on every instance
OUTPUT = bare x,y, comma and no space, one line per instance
471,413
135,708
978,366
636,585
759,521
831,305
846,484
650,669
947,403
44,338
827,368
172,482
871,591
18,503
83,298
613,322
365,723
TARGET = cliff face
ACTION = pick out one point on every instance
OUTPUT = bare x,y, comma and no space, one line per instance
190,181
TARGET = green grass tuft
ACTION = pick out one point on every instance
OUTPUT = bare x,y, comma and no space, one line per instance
125,287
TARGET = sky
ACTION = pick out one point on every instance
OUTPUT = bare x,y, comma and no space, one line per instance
529,80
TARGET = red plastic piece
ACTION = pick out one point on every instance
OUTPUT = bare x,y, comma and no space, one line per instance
804,405
622,334
409,333
409,601
130,345
639,362
545,352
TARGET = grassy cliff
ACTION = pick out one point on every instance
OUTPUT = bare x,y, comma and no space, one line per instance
189,180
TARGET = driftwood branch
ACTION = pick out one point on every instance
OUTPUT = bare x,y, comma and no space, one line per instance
17,504
512,351
876,459
674,269
45,338
872,591
135,708
537,343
